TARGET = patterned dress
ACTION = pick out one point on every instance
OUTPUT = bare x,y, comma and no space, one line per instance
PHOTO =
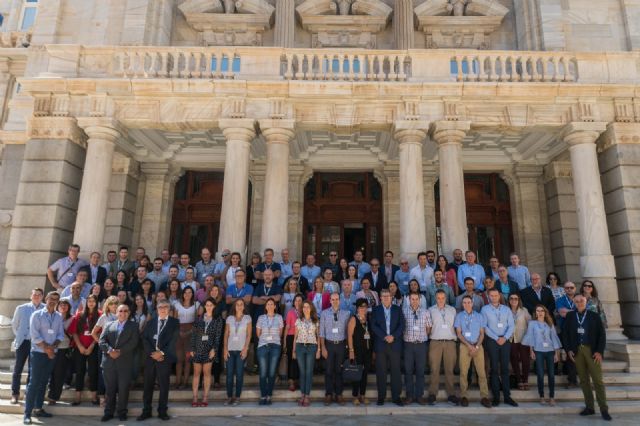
206,335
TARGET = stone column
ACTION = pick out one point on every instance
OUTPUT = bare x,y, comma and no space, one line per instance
275,213
157,206
285,23
453,209
403,30
96,180
410,136
596,261
46,203
239,133
123,203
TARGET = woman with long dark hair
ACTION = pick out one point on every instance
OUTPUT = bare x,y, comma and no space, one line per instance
306,349
205,343
185,311
293,372
86,354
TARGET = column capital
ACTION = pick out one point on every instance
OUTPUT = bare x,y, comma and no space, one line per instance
56,128
160,170
449,132
105,128
277,131
527,172
243,129
410,131
582,132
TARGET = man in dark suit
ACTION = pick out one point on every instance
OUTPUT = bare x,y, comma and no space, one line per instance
118,342
159,338
387,324
585,338
96,274
376,277
122,263
388,268
537,294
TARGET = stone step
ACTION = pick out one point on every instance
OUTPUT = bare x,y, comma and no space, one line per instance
280,409
252,394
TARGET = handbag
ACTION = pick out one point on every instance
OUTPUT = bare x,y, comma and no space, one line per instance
352,372
283,366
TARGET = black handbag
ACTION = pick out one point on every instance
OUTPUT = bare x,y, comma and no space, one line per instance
352,373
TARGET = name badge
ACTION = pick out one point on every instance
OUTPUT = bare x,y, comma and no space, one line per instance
444,326
580,330
545,344
367,336
416,328
205,338
269,338
335,330
87,333
467,334
155,337
235,338
500,325
50,331
69,274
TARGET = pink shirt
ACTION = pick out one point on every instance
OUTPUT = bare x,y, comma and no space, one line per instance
292,317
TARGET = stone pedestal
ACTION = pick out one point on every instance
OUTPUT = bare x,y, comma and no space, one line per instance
239,133
410,136
285,23
453,214
96,179
403,30
275,213
596,261
46,204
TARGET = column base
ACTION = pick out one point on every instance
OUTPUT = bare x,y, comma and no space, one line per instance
628,351
6,337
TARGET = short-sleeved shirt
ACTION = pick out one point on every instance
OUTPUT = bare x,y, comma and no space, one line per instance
415,325
237,332
307,331
403,278
333,325
66,270
274,266
292,317
236,293
470,325
45,327
442,323
262,290
270,328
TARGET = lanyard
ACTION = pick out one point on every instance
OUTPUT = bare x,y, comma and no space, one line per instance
496,311
583,318
266,292
443,314
237,324
571,305
207,324
467,321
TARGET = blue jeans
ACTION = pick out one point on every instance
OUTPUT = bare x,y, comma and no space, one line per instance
268,358
306,356
41,368
235,369
541,359
22,356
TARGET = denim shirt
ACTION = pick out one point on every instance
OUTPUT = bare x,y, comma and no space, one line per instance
20,322
45,327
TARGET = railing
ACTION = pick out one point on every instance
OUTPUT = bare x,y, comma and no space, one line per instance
355,65
546,67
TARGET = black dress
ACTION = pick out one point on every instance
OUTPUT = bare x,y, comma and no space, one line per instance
363,349
200,347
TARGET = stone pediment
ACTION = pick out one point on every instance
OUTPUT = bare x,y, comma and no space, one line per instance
228,22
344,23
459,23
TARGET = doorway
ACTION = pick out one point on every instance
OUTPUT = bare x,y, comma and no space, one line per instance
342,212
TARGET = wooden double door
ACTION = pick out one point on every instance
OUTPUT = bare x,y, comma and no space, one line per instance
343,213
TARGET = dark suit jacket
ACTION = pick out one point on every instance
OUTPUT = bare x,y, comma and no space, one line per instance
530,300
380,284
102,274
128,267
394,268
166,340
594,329
303,284
126,342
379,328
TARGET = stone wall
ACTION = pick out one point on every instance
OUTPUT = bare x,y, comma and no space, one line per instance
10,165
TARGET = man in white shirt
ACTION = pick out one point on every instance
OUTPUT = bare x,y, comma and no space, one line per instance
422,272
442,347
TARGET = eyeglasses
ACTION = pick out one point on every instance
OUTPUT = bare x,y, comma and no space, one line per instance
513,298
588,285
333,255
375,264
569,288
404,263
225,254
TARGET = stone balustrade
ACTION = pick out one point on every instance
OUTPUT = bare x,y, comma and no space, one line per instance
357,65
15,38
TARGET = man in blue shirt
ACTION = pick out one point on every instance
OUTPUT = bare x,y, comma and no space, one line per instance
268,264
286,266
564,306
362,266
240,290
518,273
22,342
310,271
63,271
470,326
473,270
47,331
205,266
499,329
332,264
347,297
403,276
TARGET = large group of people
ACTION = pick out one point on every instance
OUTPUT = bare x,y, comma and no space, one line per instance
107,324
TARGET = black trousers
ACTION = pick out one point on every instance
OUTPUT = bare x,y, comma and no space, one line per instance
87,364
360,388
293,372
117,382
333,368
160,370
388,360
59,374
499,357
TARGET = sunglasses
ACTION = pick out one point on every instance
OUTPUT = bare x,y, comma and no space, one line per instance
569,288
588,285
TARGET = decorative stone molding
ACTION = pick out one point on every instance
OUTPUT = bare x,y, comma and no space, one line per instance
229,23
557,170
56,128
15,39
352,23
627,110
450,132
6,218
459,23
578,133
619,133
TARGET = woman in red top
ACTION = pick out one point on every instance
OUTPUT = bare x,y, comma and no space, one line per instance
293,374
86,353
450,278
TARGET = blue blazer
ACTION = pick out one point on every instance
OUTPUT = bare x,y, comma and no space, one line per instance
379,328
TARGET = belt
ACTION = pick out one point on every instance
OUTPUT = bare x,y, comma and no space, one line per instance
416,343
442,340
305,344
335,342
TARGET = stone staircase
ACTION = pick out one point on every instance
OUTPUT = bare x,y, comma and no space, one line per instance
623,393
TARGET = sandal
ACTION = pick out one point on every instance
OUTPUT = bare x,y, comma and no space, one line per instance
552,402
95,402
204,402
195,403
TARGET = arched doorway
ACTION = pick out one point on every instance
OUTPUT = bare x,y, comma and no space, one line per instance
342,212
488,216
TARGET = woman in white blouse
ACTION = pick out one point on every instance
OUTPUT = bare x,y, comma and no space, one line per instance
269,331
185,310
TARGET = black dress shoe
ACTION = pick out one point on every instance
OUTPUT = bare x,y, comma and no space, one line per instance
164,416
106,418
42,414
587,412
495,402
380,402
431,399
510,402
123,418
143,416
452,399
605,415
398,402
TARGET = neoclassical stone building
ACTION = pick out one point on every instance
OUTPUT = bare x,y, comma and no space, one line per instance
495,125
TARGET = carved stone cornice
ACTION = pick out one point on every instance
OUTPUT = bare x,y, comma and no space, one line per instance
56,128
557,170
619,133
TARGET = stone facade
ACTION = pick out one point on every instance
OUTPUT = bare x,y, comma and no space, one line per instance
104,105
